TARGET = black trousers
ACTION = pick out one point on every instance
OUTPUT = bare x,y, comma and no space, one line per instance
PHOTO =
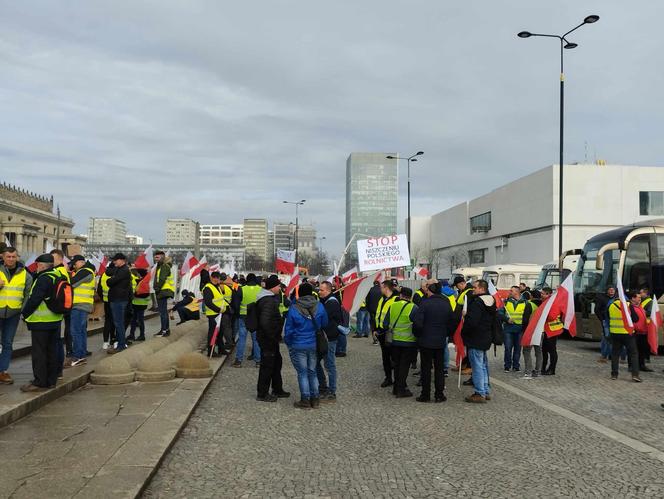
187,315
68,341
429,356
226,333
549,350
642,348
270,371
386,352
45,365
109,327
618,341
402,357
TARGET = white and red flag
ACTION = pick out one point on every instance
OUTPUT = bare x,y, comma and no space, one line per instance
654,325
294,281
421,271
30,263
565,299
189,263
560,305
496,296
199,268
285,262
349,275
145,260
456,338
537,324
624,308
144,285
213,340
356,292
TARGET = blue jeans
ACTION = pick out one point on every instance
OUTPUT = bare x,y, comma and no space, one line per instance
331,368
446,356
605,345
512,350
363,323
8,329
118,309
480,366
79,333
341,343
242,343
304,362
162,305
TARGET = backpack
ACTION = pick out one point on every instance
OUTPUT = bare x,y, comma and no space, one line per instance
60,300
251,319
496,330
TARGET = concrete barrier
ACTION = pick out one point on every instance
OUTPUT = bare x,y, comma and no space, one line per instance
193,365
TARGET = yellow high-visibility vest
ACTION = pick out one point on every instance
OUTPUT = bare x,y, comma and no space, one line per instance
13,291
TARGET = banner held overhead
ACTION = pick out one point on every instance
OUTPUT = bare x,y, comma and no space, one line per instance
383,252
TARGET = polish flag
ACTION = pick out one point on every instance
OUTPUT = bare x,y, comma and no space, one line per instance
565,299
199,268
421,271
143,286
213,340
494,292
654,325
624,308
456,338
285,262
103,263
30,263
294,281
537,324
145,259
349,275
189,263
355,293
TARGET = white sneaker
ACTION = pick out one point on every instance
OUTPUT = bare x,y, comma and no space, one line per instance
105,346
527,376
115,345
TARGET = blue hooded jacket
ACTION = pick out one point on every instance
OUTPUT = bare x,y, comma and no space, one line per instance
299,330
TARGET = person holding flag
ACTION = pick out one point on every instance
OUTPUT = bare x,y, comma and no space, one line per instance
215,305
513,315
164,288
640,330
553,327
621,329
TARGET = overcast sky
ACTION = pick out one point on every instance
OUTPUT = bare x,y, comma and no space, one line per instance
144,110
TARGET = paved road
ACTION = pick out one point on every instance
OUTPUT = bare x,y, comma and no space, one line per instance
576,435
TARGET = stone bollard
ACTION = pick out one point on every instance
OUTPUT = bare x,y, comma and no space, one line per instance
193,365
161,365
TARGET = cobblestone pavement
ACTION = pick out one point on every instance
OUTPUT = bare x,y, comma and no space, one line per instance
369,444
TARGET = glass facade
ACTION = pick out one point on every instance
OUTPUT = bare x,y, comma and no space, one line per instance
372,187
651,203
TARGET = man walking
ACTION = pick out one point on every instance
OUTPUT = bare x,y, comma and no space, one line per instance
15,284
83,284
477,335
268,335
164,288
400,320
328,387
435,321
44,326
119,294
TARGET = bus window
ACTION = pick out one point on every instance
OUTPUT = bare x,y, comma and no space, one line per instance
636,271
657,260
506,281
529,279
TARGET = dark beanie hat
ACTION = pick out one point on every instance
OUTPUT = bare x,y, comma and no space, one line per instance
272,282
407,292
305,289
45,258
457,280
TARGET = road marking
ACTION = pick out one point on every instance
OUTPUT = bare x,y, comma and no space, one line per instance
637,445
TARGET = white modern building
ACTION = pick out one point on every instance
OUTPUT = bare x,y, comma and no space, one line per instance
181,231
133,239
518,222
284,237
222,234
106,231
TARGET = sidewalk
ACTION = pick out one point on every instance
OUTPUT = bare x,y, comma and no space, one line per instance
15,404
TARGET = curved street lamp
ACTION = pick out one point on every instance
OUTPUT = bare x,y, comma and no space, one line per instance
410,160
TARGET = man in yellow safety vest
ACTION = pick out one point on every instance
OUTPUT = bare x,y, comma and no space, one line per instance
83,283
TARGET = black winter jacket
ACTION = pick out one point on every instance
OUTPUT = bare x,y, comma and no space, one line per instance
270,322
373,297
42,289
478,325
119,283
434,322
334,317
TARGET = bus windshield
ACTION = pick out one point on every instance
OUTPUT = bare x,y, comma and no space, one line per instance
548,278
590,280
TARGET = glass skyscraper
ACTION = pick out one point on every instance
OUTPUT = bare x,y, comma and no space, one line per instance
371,195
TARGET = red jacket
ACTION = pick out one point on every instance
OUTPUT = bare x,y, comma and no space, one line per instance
554,325
640,326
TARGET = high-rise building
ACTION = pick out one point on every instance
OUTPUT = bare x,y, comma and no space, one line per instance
106,231
284,237
133,239
372,188
255,238
270,245
222,234
181,231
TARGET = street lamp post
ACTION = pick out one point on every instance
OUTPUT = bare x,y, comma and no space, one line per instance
564,44
297,206
409,159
